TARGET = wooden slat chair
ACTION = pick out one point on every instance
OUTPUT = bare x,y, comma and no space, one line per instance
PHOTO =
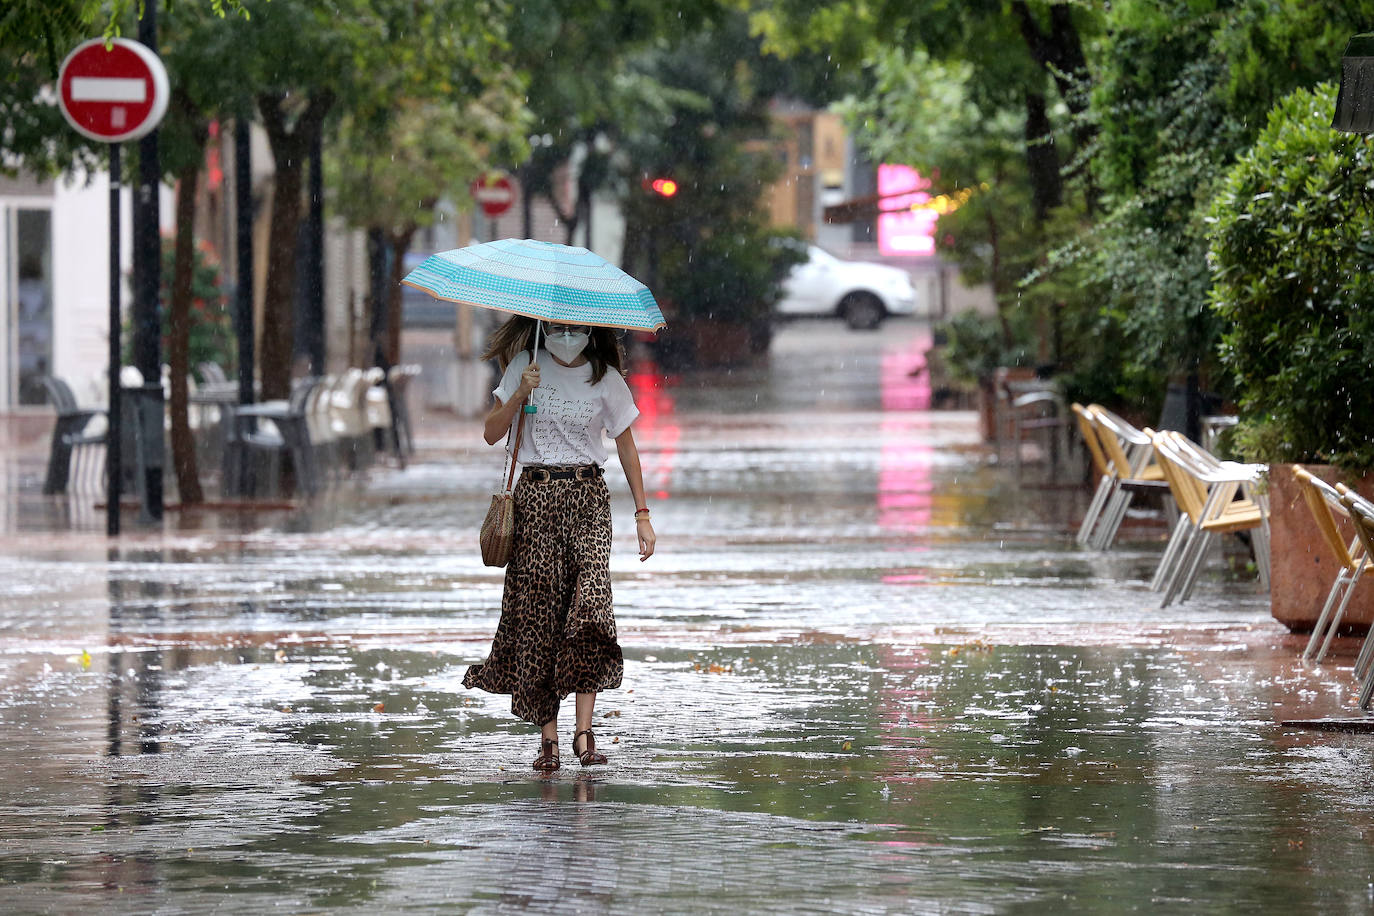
1326,506
1130,456
1087,429
1214,498
1361,514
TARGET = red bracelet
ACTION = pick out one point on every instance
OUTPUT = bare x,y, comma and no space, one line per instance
642,509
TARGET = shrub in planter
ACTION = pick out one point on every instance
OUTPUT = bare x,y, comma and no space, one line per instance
722,291
1292,240
972,346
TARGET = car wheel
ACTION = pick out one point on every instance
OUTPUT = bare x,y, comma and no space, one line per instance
862,311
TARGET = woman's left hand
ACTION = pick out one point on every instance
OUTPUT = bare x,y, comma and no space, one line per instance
645,529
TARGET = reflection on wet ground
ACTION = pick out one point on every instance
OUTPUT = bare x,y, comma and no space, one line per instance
868,672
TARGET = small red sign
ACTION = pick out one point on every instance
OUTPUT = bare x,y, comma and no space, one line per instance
113,93
493,193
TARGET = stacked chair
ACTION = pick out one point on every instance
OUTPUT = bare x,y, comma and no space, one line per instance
1214,498
72,438
1206,497
348,418
1361,514
1327,504
1123,457
287,434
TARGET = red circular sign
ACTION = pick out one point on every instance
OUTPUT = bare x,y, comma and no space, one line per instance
114,93
493,193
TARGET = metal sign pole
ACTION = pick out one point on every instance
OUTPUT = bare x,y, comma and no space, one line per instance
113,465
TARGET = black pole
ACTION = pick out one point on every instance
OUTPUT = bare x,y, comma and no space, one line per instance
526,205
315,265
114,428
378,271
243,247
147,311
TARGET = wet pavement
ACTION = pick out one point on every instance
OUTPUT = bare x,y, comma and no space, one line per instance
868,671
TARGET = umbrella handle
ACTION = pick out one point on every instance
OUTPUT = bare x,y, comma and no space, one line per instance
532,407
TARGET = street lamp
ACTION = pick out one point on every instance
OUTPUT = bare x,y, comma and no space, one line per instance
1355,101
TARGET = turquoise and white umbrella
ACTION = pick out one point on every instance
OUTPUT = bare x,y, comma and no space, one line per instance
558,283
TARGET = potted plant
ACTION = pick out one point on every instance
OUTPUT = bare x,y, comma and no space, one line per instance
1291,241
723,289
974,349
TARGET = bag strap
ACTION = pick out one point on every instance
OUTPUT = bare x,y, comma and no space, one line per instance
513,453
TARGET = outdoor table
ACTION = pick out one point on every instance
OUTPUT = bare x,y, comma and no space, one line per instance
223,398
290,425
1213,427
235,454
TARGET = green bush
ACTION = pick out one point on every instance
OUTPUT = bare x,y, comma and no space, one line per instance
973,346
1290,251
212,325
734,276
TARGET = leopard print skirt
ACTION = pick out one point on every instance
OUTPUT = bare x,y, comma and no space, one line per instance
557,630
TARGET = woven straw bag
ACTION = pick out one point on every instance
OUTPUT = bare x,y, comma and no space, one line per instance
498,528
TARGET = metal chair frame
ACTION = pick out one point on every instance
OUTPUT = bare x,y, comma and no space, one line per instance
1087,430
69,438
1130,456
1361,514
1325,502
1214,497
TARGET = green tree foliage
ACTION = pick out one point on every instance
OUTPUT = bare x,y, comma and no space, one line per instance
389,175
926,113
1015,51
212,330
1292,235
574,52
1182,89
706,250
1166,136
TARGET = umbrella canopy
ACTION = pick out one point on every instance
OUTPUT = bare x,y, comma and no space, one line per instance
558,283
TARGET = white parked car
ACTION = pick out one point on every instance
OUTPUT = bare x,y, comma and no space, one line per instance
861,293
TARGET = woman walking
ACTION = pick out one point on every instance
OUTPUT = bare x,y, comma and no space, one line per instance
557,631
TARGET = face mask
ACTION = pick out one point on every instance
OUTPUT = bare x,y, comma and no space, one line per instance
566,347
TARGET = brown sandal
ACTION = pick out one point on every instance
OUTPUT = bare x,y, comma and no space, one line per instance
589,757
547,761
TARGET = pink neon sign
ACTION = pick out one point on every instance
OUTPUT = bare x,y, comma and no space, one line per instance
910,231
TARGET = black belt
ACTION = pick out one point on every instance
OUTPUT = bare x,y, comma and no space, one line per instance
567,472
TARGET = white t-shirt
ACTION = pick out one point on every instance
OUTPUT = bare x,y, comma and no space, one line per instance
572,415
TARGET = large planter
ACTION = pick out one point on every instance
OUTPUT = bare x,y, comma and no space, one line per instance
1302,565
698,343
994,400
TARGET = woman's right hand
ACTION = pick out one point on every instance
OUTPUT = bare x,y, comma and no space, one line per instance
529,380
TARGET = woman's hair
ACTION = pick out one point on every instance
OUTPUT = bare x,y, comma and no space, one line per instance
603,347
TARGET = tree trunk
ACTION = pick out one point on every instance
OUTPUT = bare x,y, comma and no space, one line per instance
278,318
526,210
995,275
290,145
1059,50
400,244
179,343
378,274
1042,158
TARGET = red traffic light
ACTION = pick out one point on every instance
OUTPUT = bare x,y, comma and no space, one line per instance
664,187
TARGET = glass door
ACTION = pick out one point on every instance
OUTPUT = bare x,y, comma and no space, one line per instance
31,321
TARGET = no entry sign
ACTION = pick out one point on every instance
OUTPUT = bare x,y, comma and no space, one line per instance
113,93
493,194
